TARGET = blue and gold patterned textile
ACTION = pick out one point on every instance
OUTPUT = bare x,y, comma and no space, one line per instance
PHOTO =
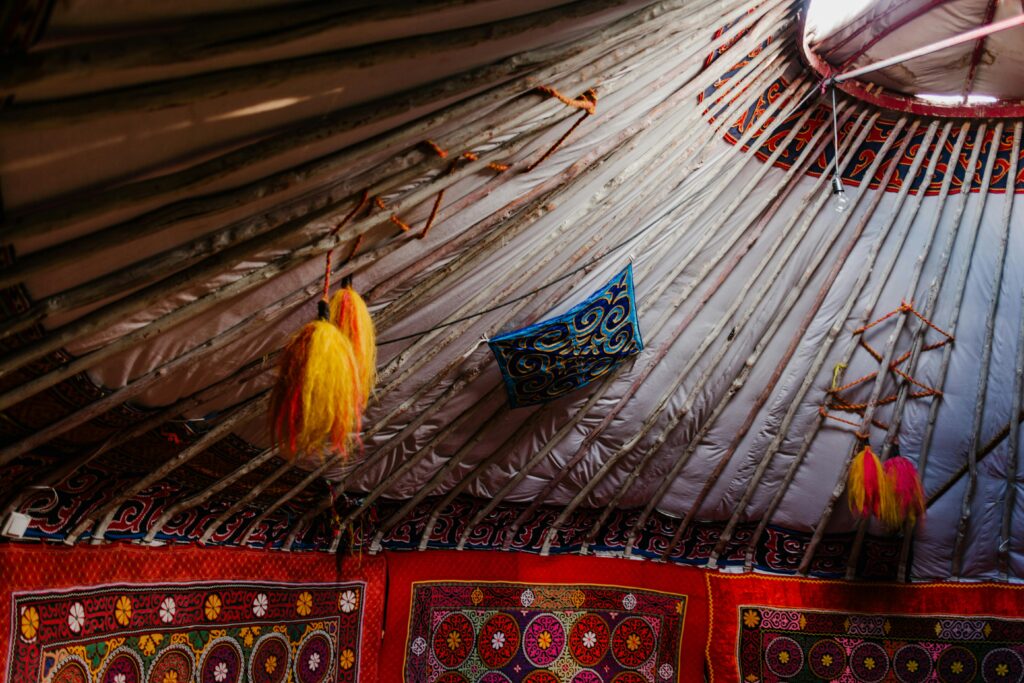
554,357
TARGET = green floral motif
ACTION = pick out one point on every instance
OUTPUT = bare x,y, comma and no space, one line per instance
198,639
96,652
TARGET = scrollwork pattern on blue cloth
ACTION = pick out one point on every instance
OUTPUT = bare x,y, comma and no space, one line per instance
554,357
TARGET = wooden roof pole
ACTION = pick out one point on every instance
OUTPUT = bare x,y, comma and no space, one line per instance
545,65
728,245
580,167
550,247
582,412
250,495
207,493
819,529
304,294
507,447
546,249
636,204
245,411
820,359
901,234
550,444
618,222
214,84
986,352
1010,499
902,394
781,312
393,476
563,66
202,38
815,147
809,378
560,182
54,477
663,487
36,348
782,431
252,279
654,328
309,478
881,375
903,387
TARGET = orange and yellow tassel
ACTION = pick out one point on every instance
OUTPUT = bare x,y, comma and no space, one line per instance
317,399
350,313
867,486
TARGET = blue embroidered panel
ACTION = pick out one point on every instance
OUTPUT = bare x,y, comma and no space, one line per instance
553,357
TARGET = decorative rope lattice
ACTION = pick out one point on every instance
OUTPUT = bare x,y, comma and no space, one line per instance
836,403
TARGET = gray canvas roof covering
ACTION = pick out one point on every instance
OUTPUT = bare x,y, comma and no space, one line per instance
171,171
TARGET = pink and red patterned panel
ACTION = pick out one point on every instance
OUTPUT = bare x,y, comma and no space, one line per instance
812,645
503,632
211,632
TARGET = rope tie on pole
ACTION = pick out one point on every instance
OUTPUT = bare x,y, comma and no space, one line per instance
587,102
360,205
443,153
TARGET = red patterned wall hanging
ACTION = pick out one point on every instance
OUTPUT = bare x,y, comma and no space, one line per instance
172,615
770,629
501,617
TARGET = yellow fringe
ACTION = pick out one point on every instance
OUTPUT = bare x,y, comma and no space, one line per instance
316,400
889,507
350,313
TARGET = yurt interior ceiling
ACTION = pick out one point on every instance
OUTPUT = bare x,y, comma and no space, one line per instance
371,340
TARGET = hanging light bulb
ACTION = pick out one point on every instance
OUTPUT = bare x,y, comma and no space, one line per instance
842,202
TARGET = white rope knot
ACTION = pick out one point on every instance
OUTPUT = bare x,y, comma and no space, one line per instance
484,339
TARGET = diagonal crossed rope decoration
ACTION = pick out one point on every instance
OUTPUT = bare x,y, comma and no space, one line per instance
836,403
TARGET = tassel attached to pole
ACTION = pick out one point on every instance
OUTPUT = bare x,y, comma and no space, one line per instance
326,371
316,399
867,485
906,491
350,313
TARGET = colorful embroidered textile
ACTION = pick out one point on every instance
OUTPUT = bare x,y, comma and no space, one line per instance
771,629
811,645
241,628
554,357
219,631
623,623
541,631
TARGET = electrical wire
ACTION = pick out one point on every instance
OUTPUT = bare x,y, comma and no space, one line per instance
584,267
